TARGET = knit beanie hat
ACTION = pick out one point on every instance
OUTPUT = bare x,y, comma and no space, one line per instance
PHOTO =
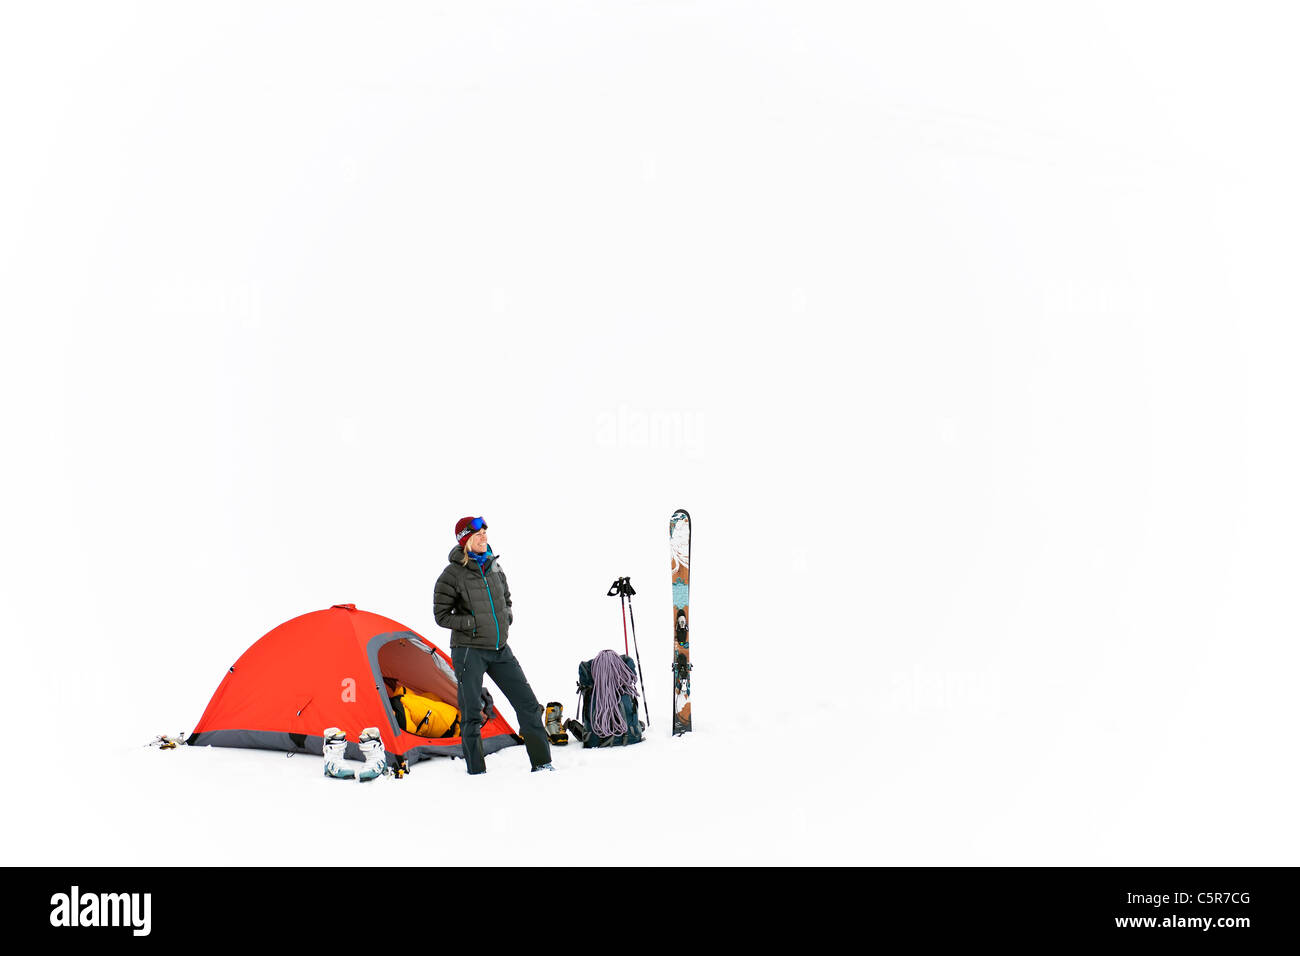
468,526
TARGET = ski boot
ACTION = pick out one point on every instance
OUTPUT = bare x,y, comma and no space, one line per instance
372,752
555,723
336,742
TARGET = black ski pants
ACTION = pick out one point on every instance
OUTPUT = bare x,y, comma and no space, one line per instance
471,664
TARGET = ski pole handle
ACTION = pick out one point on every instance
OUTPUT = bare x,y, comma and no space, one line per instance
620,586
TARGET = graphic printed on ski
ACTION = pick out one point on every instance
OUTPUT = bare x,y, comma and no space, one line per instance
679,540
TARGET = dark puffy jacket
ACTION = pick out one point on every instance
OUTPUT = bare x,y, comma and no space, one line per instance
473,603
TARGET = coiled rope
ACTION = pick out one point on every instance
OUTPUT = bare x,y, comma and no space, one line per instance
610,680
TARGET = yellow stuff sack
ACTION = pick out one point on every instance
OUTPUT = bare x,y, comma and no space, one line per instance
427,717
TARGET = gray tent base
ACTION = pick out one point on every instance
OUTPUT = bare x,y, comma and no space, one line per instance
315,744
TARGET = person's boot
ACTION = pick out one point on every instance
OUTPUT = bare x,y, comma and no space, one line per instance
372,752
554,721
336,742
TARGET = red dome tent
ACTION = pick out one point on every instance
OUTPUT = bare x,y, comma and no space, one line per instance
326,669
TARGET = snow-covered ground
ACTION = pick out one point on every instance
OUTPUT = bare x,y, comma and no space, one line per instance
965,333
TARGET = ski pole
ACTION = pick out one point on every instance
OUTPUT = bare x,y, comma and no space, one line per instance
623,588
638,652
622,604
617,588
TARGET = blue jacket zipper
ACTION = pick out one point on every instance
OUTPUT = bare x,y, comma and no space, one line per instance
492,605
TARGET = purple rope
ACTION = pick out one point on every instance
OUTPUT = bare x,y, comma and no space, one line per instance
610,680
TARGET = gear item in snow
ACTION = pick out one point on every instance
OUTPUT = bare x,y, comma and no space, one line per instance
679,541
336,743
608,701
555,723
623,588
545,766
372,752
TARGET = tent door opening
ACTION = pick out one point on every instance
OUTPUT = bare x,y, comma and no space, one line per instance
421,689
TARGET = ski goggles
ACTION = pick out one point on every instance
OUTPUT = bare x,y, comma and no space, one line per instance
474,527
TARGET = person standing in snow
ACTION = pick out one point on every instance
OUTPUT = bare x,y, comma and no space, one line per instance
472,599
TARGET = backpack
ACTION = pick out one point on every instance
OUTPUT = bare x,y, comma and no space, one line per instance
607,694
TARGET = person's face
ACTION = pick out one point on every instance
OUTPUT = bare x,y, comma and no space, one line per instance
478,541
